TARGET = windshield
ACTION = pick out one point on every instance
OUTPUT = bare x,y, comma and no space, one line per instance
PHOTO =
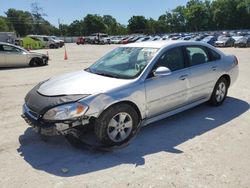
123,62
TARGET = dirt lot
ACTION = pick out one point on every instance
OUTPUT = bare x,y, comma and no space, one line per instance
202,147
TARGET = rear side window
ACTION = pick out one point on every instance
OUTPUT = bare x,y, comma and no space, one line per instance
172,59
196,55
213,55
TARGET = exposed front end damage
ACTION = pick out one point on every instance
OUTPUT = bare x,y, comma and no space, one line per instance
36,105
52,128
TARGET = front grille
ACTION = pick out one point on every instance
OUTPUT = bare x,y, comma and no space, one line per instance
38,127
31,113
34,114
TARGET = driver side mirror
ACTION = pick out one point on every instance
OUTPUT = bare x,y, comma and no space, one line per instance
162,71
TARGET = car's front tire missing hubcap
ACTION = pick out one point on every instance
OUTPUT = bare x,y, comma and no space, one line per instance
117,125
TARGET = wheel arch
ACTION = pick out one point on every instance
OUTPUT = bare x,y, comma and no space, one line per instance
227,77
133,105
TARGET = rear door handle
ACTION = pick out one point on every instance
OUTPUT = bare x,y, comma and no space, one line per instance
183,77
214,68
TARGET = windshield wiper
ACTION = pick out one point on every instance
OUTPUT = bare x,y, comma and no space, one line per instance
105,74
113,75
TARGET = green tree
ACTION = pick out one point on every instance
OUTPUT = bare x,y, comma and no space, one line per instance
64,30
243,11
41,26
138,24
3,24
76,28
178,22
94,24
164,23
20,21
111,24
196,15
121,29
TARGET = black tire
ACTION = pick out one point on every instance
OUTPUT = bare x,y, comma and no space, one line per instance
52,46
219,94
32,62
103,125
36,62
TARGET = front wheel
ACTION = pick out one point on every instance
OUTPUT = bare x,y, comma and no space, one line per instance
219,93
36,62
117,125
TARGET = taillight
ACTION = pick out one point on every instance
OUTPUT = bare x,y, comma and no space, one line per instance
236,60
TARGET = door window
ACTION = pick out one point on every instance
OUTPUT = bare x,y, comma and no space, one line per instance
196,55
172,59
213,55
8,48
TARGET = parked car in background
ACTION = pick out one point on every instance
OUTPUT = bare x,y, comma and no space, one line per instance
99,38
49,42
143,39
198,37
8,37
115,40
209,39
132,86
125,40
12,55
243,42
58,41
224,41
136,38
105,40
31,43
80,40
155,38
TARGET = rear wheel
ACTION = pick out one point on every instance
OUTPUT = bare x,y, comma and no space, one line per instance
117,125
52,46
220,92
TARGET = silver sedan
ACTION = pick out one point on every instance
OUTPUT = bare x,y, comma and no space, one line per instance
14,56
132,86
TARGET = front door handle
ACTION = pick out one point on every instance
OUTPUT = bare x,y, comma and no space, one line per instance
183,77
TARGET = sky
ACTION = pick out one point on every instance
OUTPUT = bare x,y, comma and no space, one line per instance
65,11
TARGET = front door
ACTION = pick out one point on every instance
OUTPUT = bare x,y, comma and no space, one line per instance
166,93
14,56
2,57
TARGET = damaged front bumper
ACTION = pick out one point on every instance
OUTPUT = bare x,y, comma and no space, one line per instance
51,128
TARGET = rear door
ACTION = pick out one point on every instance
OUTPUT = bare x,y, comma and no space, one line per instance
203,72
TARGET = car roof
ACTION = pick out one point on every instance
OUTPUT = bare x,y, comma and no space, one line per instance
5,43
171,43
164,43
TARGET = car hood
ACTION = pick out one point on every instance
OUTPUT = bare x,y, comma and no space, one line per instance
35,54
80,82
241,41
220,42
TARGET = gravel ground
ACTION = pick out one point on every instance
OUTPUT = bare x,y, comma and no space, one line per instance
202,147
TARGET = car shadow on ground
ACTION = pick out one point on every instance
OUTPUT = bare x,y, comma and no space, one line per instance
59,158
20,67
